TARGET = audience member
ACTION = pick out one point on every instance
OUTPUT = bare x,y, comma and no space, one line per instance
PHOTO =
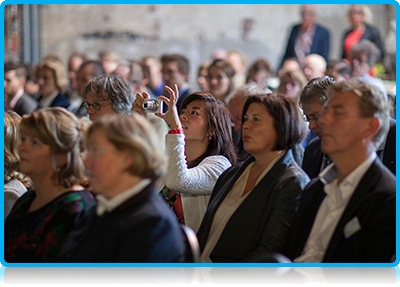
156,84
252,204
364,56
130,222
31,87
312,100
360,17
307,38
200,149
50,154
290,64
86,73
15,182
339,70
175,71
202,74
72,93
238,60
49,74
108,94
315,66
259,73
219,53
16,97
292,82
110,61
220,77
348,213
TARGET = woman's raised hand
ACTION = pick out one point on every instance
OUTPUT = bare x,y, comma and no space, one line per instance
171,117
137,105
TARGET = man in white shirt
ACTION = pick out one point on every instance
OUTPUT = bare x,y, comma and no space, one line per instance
348,213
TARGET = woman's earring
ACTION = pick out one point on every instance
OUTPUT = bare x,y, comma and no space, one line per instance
210,138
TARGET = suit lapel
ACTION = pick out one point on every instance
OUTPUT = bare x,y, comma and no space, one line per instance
366,185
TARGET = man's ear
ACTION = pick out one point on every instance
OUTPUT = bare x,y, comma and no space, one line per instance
22,82
373,127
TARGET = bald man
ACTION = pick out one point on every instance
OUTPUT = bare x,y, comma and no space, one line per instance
315,66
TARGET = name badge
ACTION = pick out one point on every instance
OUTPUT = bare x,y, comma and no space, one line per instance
351,227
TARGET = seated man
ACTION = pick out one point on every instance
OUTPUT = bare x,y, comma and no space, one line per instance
315,66
348,213
312,101
15,96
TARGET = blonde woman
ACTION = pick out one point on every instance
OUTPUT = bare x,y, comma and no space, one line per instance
15,183
50,154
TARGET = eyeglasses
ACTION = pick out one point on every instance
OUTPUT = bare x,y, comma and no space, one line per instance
96,106
356,12
312,119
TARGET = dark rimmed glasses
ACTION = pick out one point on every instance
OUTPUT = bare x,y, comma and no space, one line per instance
96,106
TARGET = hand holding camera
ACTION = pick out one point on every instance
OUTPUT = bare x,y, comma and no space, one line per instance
171,117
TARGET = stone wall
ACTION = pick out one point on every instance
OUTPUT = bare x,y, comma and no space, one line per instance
135,30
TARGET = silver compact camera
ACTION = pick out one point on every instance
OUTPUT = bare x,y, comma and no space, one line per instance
152,106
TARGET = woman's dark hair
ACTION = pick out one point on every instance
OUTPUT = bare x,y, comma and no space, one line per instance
218,120
288,122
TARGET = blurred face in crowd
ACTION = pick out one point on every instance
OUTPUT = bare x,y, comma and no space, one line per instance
308,16
171,74
73,68
356,15
235,107
124,71
314,67
102,155
359,64
313,113
106,107
260,77
202,80
258,132
218,83
46,81
83,78
12,84
236,61
290,87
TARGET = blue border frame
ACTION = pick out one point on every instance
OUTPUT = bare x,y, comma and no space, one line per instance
5,264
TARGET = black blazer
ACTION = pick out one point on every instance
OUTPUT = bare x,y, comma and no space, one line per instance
60,101
320,44
261,223
25,105
142,229
373,203
389,152
313,158
372,34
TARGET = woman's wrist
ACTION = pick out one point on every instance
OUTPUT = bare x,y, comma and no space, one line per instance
178,131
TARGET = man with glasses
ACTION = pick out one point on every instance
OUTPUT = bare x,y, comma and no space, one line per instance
312,101
108,94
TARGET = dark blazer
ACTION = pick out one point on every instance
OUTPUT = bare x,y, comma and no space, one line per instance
25,105
320,44
389,152
60,101
261,223
182,96
372,34
313,158
142,229
373,203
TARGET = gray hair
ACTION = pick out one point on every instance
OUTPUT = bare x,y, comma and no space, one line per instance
249,89
316,91
373,103
369,48
114,88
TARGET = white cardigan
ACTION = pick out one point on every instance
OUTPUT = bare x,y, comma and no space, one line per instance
194,184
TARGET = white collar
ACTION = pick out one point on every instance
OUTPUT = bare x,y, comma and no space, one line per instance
106,204
15,99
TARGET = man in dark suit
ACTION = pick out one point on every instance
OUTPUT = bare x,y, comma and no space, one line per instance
312,100
175,70
307,38
348,213
14,82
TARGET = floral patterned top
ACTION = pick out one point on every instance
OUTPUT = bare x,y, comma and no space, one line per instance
37,236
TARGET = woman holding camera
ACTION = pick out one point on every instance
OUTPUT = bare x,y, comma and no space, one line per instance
200,149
